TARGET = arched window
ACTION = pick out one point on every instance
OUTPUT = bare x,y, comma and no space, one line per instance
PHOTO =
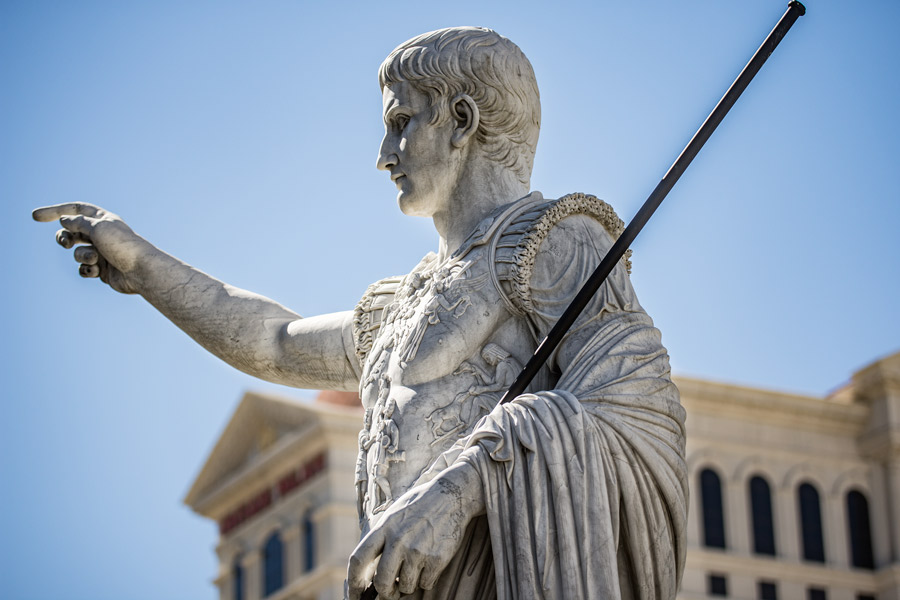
761,514
811,523
273,572
237,580
860,530
711,505
309,543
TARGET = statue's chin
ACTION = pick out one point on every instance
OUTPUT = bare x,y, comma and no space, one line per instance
410,206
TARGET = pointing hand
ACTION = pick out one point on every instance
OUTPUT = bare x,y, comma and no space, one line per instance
105,246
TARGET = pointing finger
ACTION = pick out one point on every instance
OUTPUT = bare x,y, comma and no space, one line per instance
51,213
87,255
67,239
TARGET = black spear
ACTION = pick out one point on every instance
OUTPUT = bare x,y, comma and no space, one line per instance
794,11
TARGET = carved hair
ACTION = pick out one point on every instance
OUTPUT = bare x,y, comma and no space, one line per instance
488,67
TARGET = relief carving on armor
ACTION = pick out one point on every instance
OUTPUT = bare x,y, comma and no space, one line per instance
384,436
479,399
362,477
448,291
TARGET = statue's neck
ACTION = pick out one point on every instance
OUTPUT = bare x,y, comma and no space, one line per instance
483,187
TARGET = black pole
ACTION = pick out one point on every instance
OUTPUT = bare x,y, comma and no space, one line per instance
554,337
795,10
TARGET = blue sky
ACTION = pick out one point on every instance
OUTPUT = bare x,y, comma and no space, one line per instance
241,137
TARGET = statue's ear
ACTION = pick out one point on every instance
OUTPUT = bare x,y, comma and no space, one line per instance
465,113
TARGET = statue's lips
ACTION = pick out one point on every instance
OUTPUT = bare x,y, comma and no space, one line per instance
396,177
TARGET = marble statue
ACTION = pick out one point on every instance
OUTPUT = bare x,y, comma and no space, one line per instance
576,489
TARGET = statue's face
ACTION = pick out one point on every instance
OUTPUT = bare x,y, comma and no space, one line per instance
419,156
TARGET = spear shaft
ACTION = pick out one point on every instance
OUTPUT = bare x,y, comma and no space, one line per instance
794,11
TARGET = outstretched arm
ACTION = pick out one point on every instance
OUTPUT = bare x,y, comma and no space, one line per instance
248,331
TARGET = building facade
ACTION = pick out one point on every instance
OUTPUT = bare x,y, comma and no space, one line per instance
792,497
795,497
279,483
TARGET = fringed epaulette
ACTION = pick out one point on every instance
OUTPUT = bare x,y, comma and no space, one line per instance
517,243
368,314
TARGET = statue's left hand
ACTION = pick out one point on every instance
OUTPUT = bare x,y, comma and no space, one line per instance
418,535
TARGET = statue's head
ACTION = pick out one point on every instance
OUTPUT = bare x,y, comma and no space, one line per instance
494,354
490,69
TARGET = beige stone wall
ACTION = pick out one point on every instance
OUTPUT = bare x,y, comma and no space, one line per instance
788,439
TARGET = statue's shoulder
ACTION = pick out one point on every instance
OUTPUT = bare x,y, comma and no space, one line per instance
526,235
368,314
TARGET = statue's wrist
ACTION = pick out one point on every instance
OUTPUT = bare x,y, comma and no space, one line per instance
152,272
463,480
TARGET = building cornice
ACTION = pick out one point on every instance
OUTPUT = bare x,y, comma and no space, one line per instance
748,404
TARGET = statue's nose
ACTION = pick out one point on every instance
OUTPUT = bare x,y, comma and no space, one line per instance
387,157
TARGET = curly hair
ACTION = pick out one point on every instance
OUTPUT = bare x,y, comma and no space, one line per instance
488,67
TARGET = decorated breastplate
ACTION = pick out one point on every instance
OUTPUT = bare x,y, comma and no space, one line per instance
438,363
440,346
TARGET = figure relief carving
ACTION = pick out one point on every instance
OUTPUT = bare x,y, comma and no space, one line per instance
362,477
479,399
448,291
386,439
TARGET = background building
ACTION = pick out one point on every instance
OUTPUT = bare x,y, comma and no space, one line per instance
279,483
795,497
792,497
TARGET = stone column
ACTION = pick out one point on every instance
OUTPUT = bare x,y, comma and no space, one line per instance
834,530
290,538
787,534
224,583
252,565
892,472
737,517
695,517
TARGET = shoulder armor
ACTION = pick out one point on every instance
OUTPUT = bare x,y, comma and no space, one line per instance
368,313
516,244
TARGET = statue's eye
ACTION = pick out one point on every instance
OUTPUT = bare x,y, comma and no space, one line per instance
401,122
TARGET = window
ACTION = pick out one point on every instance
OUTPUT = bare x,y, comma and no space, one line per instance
711,506
861,554
811,524
273,573
309,543
717,585
237,580
767,590
816,594
761,513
